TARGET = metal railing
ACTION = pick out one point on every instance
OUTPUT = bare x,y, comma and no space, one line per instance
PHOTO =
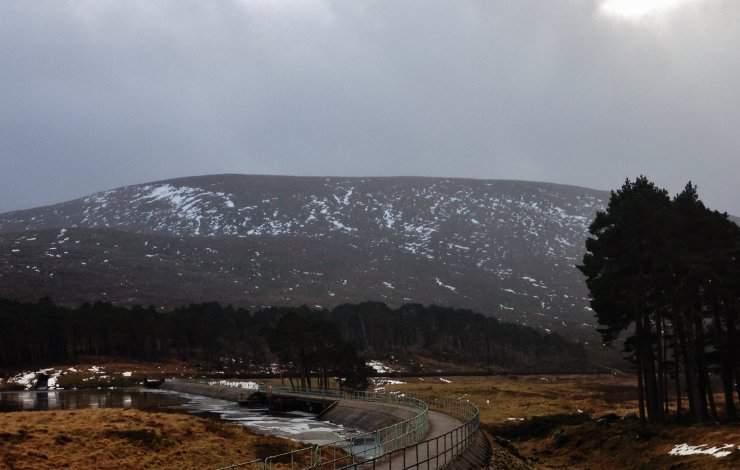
436,452
351,451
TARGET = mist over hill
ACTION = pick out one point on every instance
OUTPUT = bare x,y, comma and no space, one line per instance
503,248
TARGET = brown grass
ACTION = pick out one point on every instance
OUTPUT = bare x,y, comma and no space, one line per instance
502,397
127,439
616,445
133,439
622,445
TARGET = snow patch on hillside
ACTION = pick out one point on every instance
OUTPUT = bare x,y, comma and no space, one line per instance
446,286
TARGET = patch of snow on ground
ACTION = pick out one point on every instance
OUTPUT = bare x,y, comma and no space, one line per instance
387,382
53,377
24,378
685,449
511,291
447,381
446,286
389,220
340,226
126,374
28,379
459,247
379,367
232,383
534,282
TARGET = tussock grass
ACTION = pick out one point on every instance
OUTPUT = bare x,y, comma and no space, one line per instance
127,439
555,422
627,445
502,397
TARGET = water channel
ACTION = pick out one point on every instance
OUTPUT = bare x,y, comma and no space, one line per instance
294,425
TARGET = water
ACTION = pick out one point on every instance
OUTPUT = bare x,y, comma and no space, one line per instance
294,425
73,399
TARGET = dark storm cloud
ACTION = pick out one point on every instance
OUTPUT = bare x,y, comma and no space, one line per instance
102,94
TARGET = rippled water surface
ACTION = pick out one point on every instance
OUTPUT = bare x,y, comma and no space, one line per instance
141,399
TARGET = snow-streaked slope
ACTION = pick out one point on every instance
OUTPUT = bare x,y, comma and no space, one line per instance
429,217
502,247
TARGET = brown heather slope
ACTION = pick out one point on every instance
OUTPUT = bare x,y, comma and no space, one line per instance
127,439
500,398
540,417
622,445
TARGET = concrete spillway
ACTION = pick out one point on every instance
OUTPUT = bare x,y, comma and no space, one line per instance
367,416
444,435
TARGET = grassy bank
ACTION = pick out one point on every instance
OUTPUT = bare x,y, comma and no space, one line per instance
127,439
503,399
577,422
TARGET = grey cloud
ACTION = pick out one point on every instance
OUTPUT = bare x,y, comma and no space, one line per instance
102,94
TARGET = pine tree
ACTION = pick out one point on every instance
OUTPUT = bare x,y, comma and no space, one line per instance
622,268
666,272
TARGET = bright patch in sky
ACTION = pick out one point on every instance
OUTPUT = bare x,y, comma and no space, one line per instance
637,9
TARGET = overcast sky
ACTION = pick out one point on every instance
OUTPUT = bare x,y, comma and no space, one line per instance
100,94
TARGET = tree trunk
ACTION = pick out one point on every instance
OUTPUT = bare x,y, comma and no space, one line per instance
652,394
692,386
695,390
663,365
727,390
701,365
679,397
638,363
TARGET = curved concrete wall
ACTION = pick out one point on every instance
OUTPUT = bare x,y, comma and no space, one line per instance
367,416
363,415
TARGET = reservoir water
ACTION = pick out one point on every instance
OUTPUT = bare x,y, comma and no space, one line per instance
294,425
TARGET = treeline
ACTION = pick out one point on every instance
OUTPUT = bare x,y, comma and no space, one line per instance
667,271
311,344
42,333
455,336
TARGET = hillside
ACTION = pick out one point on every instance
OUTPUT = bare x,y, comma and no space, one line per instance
504,248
